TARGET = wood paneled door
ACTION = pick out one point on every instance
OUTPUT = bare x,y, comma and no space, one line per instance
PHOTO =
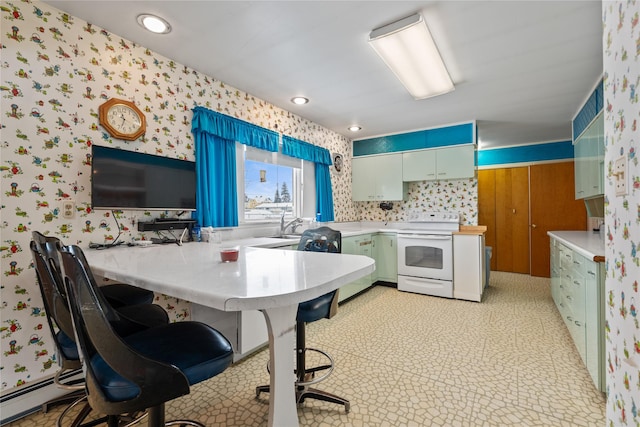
519,206
503,206
553,207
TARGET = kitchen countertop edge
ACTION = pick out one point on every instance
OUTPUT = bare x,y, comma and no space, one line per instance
586,243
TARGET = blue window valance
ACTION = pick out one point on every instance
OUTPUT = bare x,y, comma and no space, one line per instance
230,128
215,136
305,151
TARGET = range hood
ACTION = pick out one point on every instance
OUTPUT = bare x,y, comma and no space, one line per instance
595,206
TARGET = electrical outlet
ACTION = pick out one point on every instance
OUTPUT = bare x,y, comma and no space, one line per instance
620,173
68,209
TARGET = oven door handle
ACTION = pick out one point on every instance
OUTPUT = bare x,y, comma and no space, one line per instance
424,237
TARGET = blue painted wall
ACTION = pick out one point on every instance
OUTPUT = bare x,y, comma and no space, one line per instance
526,154
429,138
589,110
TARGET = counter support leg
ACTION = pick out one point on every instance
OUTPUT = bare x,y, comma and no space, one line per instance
282,399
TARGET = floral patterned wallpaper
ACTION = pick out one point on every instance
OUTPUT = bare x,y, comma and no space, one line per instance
621,46
56,72
459,196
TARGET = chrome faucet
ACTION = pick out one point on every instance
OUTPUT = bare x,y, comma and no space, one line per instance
294,223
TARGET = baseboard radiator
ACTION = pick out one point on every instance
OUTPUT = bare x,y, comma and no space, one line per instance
29,398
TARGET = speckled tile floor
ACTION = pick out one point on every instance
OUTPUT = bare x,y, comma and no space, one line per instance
413,360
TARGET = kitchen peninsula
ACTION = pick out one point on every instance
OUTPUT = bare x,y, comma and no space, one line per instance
273,281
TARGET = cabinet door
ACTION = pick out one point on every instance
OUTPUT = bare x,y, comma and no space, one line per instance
589,160
594,319
456,162
363,179
377,178
419,165
354,245
388,177
386,256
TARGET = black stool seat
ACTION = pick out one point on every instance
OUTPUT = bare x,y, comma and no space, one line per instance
316,309
203,353
121,294
125,320
142,370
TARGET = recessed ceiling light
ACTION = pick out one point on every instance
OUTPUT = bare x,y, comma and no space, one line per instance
354,128
154,23
299,100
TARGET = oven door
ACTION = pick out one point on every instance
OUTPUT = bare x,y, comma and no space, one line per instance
426,255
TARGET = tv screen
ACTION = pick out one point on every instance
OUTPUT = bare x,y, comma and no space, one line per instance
122,179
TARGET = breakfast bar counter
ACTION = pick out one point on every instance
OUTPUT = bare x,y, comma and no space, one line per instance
273,281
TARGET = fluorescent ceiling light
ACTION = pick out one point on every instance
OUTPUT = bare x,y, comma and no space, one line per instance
354,128
153,23
299,100
407,48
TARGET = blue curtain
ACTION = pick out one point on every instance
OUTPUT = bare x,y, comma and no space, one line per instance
322,158
216,197
215,136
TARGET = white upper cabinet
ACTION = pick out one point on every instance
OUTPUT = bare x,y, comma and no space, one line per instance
456,162
377,178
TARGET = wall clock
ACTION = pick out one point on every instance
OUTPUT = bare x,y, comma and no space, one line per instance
122,119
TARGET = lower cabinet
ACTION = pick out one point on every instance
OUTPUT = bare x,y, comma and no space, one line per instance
386,255
577,288
357,245
469,277
245,330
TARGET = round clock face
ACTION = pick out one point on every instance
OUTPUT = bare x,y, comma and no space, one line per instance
124,119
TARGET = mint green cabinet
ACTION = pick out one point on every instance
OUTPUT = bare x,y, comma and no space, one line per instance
386,256
357,245
456,162
377,178
577,288
589,160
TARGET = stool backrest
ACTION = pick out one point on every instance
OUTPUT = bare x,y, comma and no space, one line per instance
322,239
105,354
55,302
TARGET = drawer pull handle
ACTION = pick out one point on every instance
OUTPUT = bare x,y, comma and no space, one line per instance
578,323
569,318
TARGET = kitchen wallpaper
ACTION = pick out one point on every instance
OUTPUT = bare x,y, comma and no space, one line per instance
56,72
456,195
621,47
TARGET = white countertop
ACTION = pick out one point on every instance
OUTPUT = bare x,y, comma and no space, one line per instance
586,243
260,279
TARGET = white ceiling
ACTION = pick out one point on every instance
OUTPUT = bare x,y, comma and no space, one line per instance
521,68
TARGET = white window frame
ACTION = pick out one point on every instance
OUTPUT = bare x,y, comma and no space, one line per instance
304,195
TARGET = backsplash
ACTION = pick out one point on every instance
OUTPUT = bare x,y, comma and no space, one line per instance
459,196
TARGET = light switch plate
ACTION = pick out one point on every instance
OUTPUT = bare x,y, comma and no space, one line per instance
68,209
620,174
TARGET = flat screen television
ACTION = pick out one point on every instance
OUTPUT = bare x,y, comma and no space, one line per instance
122,179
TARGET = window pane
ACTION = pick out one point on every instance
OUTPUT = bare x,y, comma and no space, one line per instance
268,190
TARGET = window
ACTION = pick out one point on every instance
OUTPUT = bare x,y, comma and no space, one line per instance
272,183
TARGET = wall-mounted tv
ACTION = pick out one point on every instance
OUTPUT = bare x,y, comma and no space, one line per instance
122,179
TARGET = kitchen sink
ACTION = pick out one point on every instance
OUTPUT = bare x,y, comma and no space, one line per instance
287,237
